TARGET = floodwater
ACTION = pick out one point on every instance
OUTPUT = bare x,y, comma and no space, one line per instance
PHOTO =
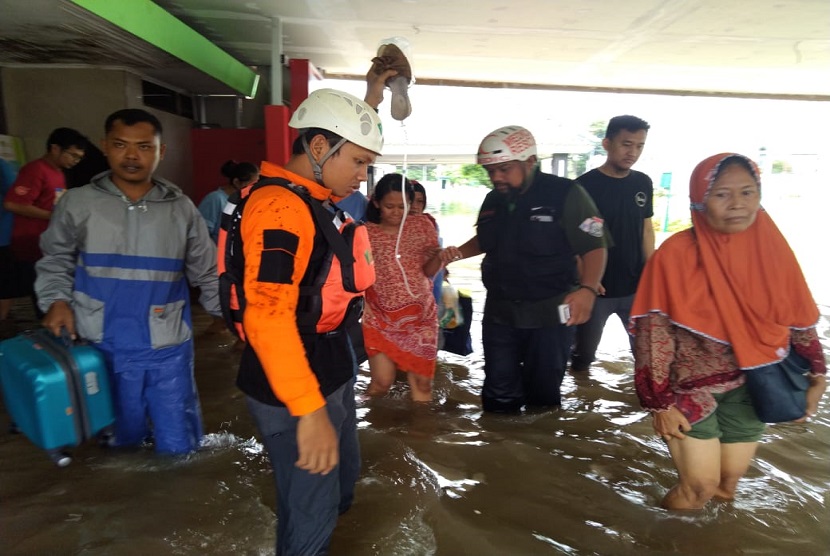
442,479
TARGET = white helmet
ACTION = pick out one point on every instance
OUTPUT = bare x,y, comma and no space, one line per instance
343,114
507,143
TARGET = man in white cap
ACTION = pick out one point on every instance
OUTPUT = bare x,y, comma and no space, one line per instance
532,228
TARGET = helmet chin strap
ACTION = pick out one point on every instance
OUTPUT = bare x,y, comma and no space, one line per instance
317,166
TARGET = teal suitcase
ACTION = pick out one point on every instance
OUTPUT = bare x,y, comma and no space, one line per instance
56,393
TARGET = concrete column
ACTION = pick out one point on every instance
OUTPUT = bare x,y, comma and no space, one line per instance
276,62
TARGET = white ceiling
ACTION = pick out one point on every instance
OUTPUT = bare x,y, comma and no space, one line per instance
747,47
767,48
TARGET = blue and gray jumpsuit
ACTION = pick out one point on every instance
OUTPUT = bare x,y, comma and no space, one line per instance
124,267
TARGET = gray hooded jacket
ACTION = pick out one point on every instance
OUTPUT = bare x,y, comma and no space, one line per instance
122,264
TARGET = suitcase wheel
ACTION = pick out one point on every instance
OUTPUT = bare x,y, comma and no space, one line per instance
61,458
106,438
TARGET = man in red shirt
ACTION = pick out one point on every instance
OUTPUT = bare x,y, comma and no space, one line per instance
33,195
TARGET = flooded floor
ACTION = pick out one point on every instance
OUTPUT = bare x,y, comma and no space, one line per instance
443,479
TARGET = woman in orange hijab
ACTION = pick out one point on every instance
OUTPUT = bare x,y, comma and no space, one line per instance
720,298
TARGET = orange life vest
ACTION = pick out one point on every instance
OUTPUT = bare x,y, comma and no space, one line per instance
331,293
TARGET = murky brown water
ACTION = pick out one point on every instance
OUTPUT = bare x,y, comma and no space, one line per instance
443,479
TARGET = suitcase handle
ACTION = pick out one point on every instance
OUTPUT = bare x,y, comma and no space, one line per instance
66,338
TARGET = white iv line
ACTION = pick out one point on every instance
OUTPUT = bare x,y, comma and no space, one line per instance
405,212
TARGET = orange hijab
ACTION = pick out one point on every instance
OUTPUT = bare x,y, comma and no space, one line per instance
744,289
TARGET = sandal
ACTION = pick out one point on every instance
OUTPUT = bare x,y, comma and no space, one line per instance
391,57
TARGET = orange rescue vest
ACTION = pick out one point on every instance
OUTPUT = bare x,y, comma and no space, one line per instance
331,294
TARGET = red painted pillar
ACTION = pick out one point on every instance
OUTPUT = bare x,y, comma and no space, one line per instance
277,139
301,73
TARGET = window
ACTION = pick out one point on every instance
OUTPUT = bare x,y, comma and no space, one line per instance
161,98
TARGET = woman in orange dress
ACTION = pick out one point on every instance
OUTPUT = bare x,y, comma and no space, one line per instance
400,322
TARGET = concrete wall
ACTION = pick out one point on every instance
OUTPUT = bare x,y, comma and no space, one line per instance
37,100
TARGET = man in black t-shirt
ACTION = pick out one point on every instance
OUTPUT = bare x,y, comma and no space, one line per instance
624,199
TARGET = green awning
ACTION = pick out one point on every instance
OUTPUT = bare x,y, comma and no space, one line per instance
149,22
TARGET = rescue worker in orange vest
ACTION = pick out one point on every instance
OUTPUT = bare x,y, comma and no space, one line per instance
299,383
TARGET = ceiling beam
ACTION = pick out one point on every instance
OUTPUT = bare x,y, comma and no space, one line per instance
593,89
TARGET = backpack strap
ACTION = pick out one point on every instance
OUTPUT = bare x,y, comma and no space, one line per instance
321,216
229,260
231,292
